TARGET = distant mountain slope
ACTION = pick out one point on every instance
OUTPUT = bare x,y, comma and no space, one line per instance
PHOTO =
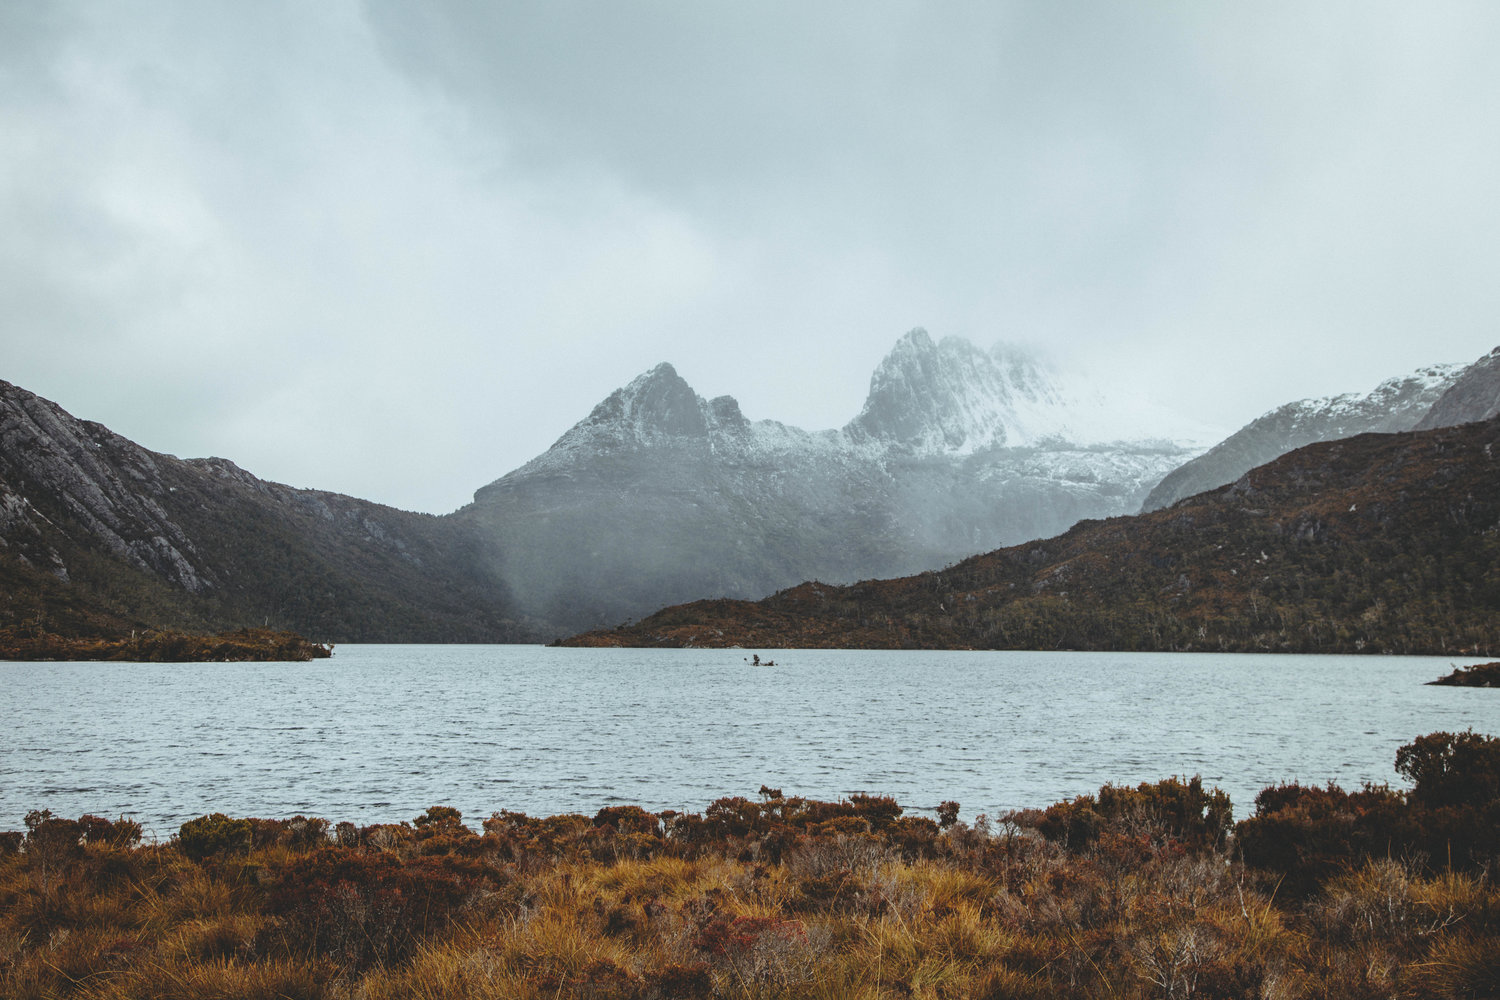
97,531
1376,543
1474,395
660,495
1397,404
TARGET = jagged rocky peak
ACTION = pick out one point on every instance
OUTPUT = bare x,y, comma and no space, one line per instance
657,407
660,402
1474,395
954,397
726,414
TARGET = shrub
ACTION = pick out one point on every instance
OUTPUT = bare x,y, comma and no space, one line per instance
215,834
50,837
1310,834
1451,769
1451,818
438,819
1170,810
360,909
628,819
119,833
298,833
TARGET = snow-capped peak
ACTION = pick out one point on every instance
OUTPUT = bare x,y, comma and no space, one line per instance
952,397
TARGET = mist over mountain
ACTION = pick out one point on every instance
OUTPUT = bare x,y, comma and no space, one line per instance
656,497
1374,543
660,495
1397,404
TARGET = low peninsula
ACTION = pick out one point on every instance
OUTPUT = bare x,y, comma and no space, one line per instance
162,646
1481,675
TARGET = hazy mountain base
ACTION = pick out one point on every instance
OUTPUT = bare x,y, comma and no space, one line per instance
1378,543
629,532
660,495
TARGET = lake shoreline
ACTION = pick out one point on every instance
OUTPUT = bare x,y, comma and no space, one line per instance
1128,892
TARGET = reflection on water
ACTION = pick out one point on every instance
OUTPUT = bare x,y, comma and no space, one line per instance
380,733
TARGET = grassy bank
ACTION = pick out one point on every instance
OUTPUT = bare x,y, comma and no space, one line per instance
1131,893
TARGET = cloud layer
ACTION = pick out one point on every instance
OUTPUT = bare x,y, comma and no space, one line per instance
396,249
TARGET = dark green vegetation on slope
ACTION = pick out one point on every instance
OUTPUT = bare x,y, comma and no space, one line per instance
1132,893
1377,543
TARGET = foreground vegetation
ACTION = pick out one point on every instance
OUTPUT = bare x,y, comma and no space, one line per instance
1131,893
161,646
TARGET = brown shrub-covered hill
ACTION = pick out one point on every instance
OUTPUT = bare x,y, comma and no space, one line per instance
1376,543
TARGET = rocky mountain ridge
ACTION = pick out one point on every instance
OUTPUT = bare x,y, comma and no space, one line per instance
1397,404
1473,395
660,495
98,532
656,497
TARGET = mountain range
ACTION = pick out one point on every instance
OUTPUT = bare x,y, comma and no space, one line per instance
656,497
1375,543
98,534
660,495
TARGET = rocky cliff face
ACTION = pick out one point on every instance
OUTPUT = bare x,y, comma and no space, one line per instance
1397,404
1474,395
202,543
660,496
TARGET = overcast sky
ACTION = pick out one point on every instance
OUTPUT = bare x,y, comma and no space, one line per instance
397,248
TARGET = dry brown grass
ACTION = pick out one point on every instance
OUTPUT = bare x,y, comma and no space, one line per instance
784,900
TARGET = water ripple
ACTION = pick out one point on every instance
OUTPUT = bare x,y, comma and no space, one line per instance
380,733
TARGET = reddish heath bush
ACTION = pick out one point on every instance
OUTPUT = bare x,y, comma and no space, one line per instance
359,909
52,838
1450,818
1311,834
1171,810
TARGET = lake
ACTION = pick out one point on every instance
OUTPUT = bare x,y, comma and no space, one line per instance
379,733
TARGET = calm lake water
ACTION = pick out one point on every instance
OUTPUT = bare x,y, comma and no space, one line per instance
380,733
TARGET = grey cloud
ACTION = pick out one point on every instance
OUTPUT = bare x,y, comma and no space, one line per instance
396,248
